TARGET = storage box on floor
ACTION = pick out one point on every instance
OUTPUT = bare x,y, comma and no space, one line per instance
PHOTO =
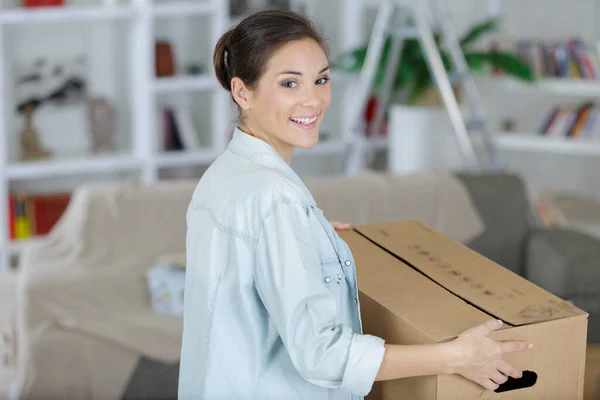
417,286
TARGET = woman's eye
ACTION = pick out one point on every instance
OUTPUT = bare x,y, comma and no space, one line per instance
289,84
322,81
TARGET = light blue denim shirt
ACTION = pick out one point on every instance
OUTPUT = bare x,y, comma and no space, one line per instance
271,301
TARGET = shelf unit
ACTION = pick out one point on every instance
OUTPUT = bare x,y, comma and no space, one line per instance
548,145
144,159
550,86
553,87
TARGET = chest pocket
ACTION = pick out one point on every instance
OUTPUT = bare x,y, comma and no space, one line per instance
332,274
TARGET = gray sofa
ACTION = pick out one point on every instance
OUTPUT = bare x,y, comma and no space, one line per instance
564,262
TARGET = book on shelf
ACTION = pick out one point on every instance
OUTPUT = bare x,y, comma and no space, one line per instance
33,215
569,59
572,121
177,130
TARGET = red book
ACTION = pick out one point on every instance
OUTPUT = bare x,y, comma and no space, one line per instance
47,210
42,3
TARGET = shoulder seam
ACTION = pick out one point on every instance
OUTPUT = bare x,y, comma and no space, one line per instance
242,235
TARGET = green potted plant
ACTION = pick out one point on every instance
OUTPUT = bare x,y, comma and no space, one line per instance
414,80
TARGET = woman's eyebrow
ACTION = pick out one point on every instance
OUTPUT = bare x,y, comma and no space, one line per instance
300,73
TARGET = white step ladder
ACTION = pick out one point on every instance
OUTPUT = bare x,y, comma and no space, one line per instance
392,18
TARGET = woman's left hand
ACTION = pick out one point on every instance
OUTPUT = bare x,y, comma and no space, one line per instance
340,226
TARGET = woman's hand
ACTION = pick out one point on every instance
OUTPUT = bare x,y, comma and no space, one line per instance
480,358
340,226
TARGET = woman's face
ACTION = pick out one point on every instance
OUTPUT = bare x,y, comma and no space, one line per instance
291,98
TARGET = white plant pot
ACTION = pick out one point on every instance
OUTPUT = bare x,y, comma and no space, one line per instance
421,139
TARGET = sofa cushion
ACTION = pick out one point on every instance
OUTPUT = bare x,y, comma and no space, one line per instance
564,262
438,200
503,205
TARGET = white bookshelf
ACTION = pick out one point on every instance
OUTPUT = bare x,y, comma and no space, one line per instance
77,166
183,8
142,157
185,84
548,145
569,87
182,159
550,86
64,14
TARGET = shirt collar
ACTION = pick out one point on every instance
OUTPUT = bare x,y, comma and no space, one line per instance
261,152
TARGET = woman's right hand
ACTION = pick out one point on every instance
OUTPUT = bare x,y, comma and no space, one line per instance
480,358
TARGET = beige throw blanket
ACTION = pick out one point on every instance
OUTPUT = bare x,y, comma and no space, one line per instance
83,301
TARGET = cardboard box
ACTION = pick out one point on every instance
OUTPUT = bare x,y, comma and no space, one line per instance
417,286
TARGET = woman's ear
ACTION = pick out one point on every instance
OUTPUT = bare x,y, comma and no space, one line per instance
241,94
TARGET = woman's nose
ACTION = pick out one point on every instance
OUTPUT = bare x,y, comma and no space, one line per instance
312,98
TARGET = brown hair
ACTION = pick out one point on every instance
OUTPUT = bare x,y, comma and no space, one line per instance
244,51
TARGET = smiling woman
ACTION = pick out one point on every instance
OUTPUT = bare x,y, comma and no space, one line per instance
276,67
271,307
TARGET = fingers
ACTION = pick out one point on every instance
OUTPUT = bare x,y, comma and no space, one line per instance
515,346
498,378
340,225
509,370
489,385
486,328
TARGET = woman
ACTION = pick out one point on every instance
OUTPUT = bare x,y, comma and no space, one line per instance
261,321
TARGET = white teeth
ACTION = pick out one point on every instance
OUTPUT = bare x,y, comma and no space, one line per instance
304,121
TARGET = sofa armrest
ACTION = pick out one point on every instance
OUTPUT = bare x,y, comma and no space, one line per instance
564,262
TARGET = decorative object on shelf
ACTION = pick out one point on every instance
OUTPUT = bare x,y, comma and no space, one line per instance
369,117
164,58
31,146
509,125
102,123
238,7
413,80
20,216
59,83
195,69
282,4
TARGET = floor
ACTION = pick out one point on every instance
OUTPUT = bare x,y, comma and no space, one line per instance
592,374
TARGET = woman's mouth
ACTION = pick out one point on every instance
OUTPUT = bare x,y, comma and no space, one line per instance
305,122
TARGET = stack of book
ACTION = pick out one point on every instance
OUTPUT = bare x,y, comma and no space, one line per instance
177,130
35,215
574,121
571,59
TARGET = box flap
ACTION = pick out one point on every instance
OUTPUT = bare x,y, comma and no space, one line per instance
409,294
467,274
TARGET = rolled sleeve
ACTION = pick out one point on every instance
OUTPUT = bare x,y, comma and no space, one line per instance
289,282
364,361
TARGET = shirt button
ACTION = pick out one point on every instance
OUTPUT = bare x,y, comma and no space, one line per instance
348,263
356,300
327,279
339,276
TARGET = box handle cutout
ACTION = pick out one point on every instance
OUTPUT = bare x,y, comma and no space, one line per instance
528,379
